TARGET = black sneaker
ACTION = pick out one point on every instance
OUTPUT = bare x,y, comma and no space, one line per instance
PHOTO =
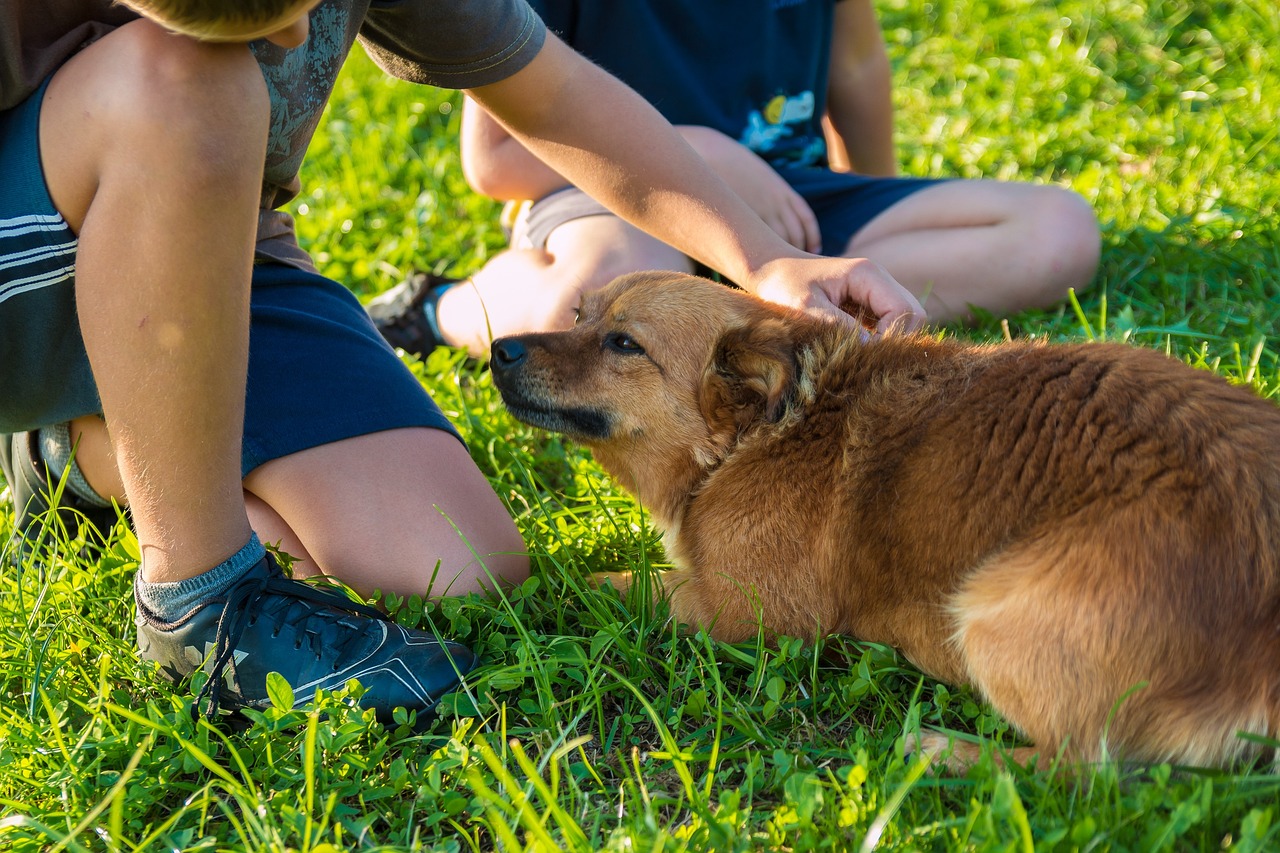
314,637
406,314
35,490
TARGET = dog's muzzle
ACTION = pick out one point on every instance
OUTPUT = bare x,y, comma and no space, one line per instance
528,398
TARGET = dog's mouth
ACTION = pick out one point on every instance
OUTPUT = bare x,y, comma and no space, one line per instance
531,404
587,424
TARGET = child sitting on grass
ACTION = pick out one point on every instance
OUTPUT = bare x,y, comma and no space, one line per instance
749,84
158,317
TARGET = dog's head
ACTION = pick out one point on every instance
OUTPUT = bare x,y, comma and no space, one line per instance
662,374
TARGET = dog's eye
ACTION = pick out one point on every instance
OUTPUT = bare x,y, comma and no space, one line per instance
622,342
577,314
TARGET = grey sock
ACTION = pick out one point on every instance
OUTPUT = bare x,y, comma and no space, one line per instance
56,451
171,601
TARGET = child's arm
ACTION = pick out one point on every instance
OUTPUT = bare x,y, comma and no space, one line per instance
616,147
497,165
859,120
755,181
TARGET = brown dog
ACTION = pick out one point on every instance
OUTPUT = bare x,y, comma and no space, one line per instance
1088,534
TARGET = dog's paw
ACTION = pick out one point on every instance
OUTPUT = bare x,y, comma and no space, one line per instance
948,755
944,753
620,581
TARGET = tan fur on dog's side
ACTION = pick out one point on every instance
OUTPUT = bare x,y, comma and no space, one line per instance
1088,534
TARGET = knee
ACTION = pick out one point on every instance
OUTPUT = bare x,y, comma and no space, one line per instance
506,569
1067,237
505,560
593,251
160,95
638,254
589,268
487,572
491,555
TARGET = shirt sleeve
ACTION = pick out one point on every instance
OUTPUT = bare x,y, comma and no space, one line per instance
456,44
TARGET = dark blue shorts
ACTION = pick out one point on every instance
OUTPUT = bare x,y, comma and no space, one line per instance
319,371
843,204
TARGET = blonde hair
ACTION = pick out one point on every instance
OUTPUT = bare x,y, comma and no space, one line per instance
218,20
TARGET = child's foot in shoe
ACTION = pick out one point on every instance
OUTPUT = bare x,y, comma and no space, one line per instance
316,638
406,314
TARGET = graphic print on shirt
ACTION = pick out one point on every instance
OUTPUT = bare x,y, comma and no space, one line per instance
299,82
778,119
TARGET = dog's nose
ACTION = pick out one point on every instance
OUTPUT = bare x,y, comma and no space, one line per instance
507,353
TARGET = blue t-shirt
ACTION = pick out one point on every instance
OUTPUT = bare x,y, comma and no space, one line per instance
755,70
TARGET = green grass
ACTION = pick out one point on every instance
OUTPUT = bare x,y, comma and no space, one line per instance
593,724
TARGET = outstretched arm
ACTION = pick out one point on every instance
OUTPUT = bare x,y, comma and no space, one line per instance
497,165
624,153
859,119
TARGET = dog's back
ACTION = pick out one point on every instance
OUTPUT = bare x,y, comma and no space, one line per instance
1089,533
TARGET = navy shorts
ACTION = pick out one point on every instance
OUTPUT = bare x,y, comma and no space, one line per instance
843,204
319,371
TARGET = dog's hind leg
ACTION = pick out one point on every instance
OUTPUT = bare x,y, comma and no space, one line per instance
620,581
1109,652
659,586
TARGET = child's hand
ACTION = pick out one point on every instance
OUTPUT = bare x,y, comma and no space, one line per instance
820,286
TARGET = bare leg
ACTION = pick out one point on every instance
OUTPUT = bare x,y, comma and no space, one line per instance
396,502
529,290
1000,246
163,284
275,531
399,502
163,274
97,458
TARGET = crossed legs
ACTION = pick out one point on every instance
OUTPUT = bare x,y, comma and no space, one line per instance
1001,247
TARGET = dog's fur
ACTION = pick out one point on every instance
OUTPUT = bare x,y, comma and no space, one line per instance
1088,533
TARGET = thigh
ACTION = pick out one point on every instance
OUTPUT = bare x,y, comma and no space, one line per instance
404,511
949,204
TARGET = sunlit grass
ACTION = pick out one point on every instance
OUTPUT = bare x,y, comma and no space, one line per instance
593,723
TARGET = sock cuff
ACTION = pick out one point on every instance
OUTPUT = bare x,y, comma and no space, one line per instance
172,600
56,451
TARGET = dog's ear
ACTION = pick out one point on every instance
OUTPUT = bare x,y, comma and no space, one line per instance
750,377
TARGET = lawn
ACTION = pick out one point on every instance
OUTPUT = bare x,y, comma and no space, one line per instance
595,725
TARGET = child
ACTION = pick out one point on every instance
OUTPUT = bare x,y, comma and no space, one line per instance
750,84
158,316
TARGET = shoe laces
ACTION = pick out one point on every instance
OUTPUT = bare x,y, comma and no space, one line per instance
286,602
